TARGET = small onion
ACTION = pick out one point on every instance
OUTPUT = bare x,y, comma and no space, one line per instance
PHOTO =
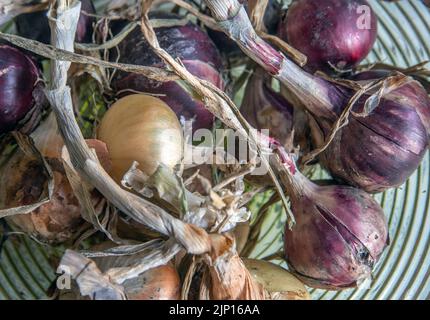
35,25
141,128
197,53
18,87
328,32
278,282
339,235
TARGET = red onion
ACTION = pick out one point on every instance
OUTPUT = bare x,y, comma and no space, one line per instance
330,32
340,232
195,50
35,25
18,87
376,151
264,108
379,147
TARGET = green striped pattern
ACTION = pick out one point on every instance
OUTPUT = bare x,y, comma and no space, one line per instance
25,272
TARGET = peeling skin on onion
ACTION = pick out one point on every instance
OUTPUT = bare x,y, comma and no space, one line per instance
161,283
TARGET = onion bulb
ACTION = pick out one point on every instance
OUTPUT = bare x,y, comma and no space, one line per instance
278,282
385,138
160,283
331,33
339,235
141,128
19,87
53,222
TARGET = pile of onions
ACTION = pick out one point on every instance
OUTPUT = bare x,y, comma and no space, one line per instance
141,128
185,42
340,232
35,25
20,89
333,34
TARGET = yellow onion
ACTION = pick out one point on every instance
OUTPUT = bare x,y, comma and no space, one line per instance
161,283
278,282
141,128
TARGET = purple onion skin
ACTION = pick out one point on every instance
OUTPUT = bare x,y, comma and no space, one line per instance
340,234
264,108
18,78
381,150
326,31
196,51
35,25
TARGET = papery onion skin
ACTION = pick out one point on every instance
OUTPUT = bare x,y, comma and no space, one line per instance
35,25
18,82
271,19
328,33
278,282
159,283
197,53
340,234
53,222
141,128
57,220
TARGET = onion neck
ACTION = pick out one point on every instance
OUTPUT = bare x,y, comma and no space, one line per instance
296,183
317,95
